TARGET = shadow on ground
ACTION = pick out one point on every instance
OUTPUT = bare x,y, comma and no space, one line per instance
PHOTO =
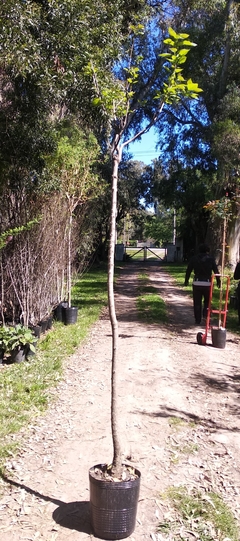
72,515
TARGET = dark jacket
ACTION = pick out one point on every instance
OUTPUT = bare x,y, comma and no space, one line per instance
236,275
203,266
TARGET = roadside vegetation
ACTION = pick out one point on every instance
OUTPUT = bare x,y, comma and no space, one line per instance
198,515
26,388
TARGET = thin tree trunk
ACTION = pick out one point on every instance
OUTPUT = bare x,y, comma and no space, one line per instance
226,55
2,290
117,457
233,239
69,260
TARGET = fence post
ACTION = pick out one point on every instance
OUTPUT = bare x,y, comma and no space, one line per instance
145,253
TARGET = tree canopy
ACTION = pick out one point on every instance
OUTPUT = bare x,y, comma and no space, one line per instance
103,70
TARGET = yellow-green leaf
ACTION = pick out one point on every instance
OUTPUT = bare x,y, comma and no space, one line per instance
183,52
173,33
182,60
189,43
96,101
169,41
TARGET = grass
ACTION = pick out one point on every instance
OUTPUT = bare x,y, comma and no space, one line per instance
177,271
204,516
177,422
25,389
151,307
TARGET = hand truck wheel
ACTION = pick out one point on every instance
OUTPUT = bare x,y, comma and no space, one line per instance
201,339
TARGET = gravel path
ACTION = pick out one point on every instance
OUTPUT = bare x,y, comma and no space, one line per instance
178,405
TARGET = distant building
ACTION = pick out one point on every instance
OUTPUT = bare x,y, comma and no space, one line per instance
174,251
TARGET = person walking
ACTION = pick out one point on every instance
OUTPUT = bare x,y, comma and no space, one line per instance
203,265
236,276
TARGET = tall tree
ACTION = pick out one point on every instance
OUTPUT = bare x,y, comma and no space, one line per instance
196,131
125,104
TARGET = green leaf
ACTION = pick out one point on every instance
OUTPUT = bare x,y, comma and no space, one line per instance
96,101
181,86
193,87
183,52
179,76
169,41
189,43
182,60
183,36
173,33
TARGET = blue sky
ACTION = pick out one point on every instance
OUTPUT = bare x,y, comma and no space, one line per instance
145,150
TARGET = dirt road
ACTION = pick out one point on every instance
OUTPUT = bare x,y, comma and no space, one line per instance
179,408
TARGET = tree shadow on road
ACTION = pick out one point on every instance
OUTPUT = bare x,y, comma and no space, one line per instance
190,417
72,515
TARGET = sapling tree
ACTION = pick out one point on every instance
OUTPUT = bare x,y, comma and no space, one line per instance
6,237
123,101
221,209
73,166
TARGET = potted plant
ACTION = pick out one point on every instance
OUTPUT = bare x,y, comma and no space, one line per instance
114,489
21,342
5,337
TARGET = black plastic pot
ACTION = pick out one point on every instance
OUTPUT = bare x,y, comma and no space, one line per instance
18,355
58,312
70,315
29,352
1,355
218,337
36,330
43,323
49,323
113,506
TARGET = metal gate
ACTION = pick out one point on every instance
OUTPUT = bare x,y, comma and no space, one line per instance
146,253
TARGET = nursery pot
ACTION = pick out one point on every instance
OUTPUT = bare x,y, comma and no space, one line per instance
49,323
58,312
43,323
70,315
18,355
36,330
113,506
1,355
218,337
29,352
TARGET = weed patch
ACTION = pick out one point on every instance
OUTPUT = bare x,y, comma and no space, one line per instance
150,305
197,515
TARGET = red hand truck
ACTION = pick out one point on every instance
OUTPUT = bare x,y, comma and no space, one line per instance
220,330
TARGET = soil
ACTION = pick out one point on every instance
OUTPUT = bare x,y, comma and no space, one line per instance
179,420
